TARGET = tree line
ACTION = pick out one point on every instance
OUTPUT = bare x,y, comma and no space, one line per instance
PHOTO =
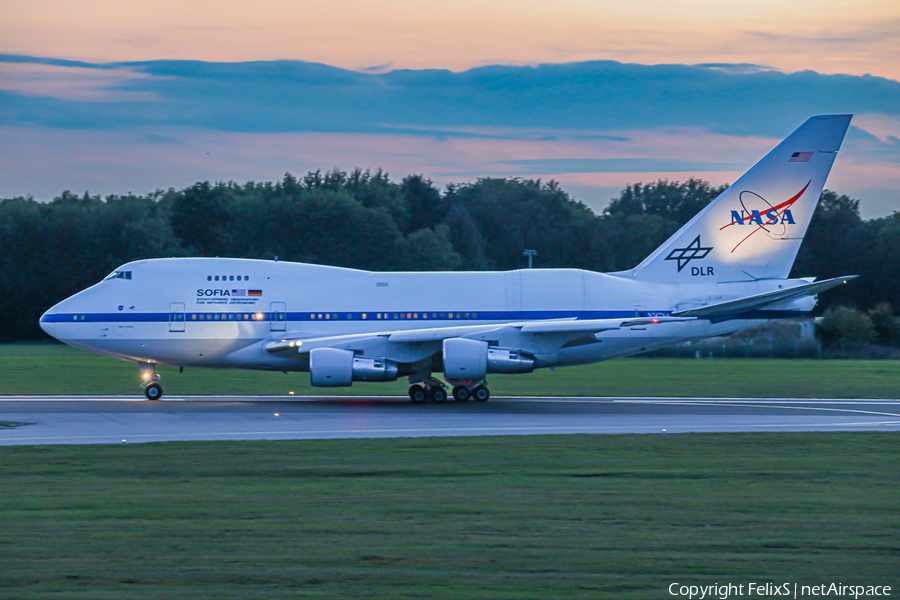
363,219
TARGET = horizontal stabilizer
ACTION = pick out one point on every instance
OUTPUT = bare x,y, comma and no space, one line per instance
759,301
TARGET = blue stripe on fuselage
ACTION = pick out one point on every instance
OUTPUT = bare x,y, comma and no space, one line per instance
406,315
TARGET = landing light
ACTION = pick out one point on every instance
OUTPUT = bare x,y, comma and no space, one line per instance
145,375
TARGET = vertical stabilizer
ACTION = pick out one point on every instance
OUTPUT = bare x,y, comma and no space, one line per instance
754,228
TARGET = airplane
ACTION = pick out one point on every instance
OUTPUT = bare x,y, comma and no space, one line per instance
724,271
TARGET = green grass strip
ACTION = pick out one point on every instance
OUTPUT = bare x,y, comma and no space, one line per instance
58,369
504,517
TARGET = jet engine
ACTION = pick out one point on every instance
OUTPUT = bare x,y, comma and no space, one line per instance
465,359
332,367
472,359
508,361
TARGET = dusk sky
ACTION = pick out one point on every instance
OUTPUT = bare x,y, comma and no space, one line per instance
122,96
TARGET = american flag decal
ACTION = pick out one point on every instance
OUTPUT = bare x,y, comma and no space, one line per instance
800,157
238,292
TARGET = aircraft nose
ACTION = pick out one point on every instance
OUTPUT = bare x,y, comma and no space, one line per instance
52,320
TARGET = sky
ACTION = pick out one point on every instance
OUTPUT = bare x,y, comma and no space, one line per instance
117,97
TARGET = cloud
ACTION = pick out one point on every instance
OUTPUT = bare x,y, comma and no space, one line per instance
738,68
599,96
594,126
554,166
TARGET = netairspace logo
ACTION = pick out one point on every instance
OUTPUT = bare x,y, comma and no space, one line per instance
775,590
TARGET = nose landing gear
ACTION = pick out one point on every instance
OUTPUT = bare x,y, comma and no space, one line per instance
149,381
153,391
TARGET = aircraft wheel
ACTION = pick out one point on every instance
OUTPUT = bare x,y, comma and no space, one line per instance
437,394
153,391
461,393
417,393
481,393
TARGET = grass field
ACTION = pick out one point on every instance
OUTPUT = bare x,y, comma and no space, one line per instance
58,369
505,517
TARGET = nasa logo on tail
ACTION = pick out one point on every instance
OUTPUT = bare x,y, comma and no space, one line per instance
760,214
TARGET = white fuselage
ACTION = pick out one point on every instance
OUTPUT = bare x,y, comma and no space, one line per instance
219,312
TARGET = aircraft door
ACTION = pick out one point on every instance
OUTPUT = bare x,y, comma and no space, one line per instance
278,322
176,317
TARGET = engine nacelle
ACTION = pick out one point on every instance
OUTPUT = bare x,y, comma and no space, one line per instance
465,359
332,367
508,361
374,369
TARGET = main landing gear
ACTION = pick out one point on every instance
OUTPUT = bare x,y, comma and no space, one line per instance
150,381
434,390
474,390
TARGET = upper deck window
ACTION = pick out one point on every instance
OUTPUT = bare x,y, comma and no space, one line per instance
216,278
118,275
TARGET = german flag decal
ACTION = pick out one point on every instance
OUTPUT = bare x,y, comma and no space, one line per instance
254,292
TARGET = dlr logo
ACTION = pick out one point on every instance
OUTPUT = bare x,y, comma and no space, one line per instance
701,271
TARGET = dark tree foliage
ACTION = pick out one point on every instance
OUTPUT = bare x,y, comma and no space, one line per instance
886,324
646,215
364,220
497,219
200,215
51,251
674,202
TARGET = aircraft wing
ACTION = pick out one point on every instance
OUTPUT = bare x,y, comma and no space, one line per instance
759,301
576,327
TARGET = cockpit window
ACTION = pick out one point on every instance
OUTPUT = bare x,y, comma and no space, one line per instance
118,275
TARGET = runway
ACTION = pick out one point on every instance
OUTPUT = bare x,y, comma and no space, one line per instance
105,420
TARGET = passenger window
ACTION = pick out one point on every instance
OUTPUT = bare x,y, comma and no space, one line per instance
209,277
231,278
217,277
